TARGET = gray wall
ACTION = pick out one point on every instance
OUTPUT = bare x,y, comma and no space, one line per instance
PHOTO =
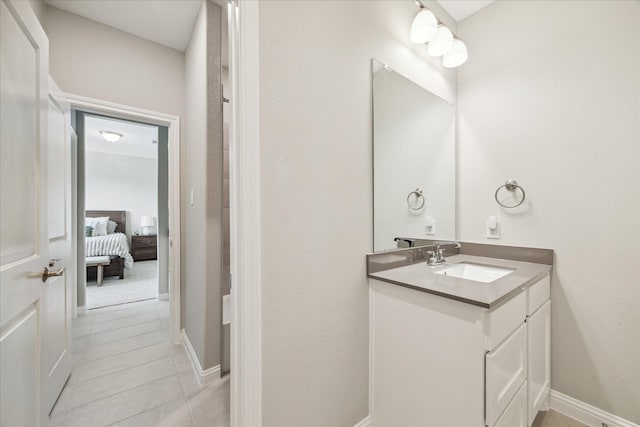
203,163
163,210
316,180
557,108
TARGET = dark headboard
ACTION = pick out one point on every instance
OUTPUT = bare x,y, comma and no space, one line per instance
119,217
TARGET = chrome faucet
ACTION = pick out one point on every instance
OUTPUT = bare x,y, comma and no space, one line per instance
437,254
407,240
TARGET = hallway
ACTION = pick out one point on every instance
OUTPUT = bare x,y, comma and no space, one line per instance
127,374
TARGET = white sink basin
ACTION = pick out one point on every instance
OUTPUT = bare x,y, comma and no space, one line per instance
476,272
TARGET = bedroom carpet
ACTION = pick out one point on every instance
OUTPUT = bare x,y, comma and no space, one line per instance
139,283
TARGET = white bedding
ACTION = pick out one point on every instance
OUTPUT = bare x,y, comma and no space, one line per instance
111,244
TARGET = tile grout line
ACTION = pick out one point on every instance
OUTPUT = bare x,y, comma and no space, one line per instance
126,351
120,327
125,338
120,370
136,414
119,392
184,392
117,329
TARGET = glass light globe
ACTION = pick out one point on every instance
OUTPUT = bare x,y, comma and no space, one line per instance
441,43
424,26
456,56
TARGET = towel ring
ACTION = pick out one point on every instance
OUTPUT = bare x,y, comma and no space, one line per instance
511,185
416,202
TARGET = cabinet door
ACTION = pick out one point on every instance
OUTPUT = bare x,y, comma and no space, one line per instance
516,413
539,359
506,369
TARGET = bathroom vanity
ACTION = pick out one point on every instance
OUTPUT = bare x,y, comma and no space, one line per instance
450,351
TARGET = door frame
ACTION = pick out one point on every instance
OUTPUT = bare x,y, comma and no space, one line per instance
246,225
106,108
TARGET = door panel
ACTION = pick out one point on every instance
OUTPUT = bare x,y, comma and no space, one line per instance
56,350
19,352
23,227
58,162
19,152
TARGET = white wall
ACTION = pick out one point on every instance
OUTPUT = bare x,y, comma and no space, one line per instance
116,182
97,61
550,97
316,179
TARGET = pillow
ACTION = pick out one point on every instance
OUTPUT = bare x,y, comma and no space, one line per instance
99,225
111,227
88,230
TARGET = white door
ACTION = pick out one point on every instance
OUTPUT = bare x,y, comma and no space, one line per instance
56,307
24,74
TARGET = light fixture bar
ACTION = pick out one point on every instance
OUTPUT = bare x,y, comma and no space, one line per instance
422,6
441,41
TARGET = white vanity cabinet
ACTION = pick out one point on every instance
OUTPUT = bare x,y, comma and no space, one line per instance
436,361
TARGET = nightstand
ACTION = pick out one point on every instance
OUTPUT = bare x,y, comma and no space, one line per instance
144,247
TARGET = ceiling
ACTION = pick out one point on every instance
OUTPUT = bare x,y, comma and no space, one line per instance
137,139
170,22
460,9
167,22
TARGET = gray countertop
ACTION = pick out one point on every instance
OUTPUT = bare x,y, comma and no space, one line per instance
422,277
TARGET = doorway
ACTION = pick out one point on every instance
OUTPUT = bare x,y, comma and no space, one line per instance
166,227
123,169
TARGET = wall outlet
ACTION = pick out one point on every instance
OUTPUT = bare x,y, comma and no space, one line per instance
492,228
430,226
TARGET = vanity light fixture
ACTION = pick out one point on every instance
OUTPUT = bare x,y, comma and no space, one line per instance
110,136
424,26
441,43
456,56
427,28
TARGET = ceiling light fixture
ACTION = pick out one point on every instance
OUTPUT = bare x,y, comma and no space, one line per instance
110,136
427,28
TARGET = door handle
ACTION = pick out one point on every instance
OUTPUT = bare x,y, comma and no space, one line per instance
46,273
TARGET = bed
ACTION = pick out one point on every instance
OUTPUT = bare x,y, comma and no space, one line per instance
115,246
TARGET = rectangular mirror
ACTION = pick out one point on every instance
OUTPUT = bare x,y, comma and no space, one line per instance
414,165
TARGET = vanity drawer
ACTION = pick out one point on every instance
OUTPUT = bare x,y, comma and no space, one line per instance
506,369
516,413
503,320
538,294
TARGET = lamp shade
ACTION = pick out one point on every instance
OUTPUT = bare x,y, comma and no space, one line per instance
424,26
456,56
441,43
146,221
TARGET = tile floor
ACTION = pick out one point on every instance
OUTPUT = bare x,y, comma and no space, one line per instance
140,283
555,419
127,374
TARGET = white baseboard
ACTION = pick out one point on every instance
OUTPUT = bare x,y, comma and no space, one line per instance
366,422
82,310
585,413
163,297
204,376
